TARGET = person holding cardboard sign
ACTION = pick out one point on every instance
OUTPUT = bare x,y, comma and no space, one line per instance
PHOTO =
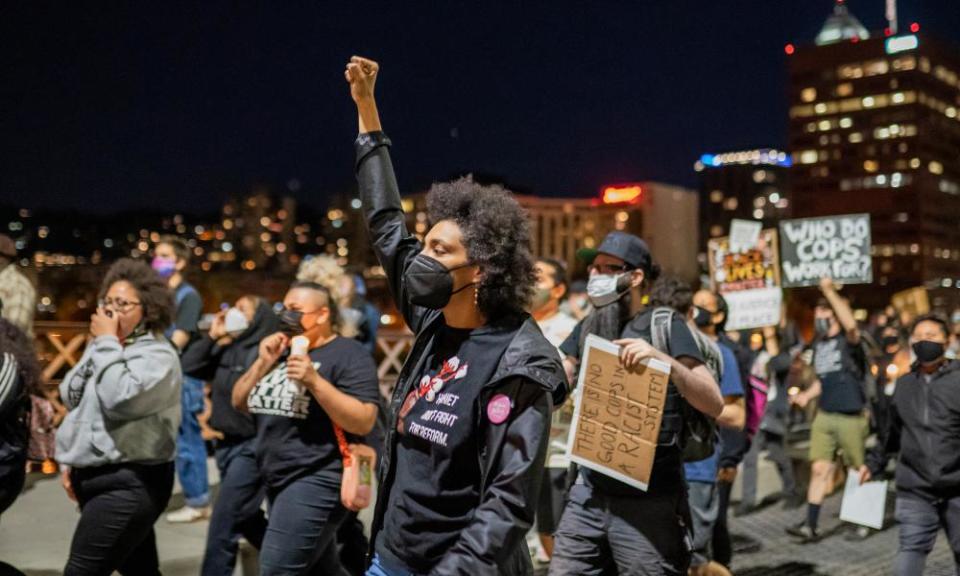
608,524
470,418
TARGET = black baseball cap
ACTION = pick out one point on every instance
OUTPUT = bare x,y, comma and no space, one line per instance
627,247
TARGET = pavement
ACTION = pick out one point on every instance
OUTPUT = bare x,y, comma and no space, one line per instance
35,537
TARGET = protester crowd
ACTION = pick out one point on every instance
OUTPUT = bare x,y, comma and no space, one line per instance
468,455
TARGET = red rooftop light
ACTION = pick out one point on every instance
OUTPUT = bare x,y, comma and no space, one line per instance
625,194
789,49
914,27
887,32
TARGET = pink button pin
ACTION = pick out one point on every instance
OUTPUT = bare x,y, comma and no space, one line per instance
498,409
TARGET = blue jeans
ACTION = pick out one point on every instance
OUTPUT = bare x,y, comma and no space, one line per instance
236,511
630,536
377,568
920,520
301,534
191,450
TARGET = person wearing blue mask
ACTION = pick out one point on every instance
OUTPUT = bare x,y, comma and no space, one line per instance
170,260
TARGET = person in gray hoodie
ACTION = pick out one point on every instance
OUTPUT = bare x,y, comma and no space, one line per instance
119,439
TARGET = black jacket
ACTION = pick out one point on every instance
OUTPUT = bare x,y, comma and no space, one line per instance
924,428
223,366
512,454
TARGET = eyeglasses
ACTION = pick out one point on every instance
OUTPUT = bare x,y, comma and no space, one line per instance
118,304
608,268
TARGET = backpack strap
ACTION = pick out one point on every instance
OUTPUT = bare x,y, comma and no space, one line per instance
660,327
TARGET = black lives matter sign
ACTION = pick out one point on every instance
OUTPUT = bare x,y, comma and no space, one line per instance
617,414
836,247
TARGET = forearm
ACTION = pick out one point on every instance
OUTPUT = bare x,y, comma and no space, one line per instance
734,414
696,386
180,339
368,117
241,390
841,309
352,415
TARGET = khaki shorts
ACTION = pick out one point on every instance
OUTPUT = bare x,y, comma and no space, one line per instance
832,432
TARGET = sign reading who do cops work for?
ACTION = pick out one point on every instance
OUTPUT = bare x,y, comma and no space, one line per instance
836,247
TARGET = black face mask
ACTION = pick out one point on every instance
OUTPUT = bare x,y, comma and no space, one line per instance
429,283
927,351
703,318
821,326
889,341
291,322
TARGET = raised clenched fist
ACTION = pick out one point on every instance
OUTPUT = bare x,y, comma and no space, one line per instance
361,73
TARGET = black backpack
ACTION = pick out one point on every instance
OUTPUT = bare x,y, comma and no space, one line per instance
699,437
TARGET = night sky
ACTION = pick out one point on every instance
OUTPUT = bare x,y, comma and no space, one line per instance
176,107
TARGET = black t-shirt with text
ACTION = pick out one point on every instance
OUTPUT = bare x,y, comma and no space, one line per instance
667,475
437,480
295,435
839,366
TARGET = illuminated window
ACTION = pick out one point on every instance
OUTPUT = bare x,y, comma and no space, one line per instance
898,98
951,112
846,122
759,176
716,196
824,125
808,94
905,63
935,167
812,127
868,101
876,68
870,165
925,64
824,140
730,203
716,231
914,162
844,89
855,137
808,157
820,108
850,71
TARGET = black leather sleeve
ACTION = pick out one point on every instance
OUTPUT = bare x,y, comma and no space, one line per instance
393,244
508,504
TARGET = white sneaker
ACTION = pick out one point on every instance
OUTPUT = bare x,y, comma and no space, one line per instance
188,514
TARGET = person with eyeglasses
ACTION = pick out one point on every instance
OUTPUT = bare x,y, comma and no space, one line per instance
307,408
118,441
609,527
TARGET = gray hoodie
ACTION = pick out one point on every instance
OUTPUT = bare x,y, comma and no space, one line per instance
124,403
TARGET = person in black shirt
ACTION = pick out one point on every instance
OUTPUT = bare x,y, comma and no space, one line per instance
470,417
922,428
608,525
840,424
305,407
221,358
19,379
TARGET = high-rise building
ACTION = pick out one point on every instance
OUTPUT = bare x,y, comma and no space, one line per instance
662,214
749,184
874,127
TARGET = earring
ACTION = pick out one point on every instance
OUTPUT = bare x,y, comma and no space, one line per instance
476,296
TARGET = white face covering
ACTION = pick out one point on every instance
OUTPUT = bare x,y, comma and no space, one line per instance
602,289
235,322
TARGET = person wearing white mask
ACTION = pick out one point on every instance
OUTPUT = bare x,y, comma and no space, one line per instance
608,526
221,358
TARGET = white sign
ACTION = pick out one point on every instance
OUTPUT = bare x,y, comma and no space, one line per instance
863,504
744,234
752,308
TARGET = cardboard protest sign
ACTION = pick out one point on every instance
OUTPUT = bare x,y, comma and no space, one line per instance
617,414
835,247
748,277
914,301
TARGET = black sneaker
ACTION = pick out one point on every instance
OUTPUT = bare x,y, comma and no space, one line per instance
804,533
